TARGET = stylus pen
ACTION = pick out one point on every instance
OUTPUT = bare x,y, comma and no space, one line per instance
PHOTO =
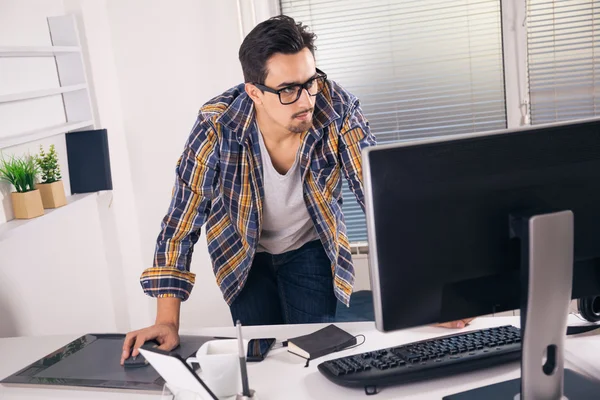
245,388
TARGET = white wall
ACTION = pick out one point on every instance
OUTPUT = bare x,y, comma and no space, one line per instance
81,261
120,227
171,57
56,262
53,277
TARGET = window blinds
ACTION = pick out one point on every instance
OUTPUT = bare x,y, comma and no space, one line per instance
563,53
420,68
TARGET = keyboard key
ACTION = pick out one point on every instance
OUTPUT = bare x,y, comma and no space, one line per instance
334,369
406,355
357,366
343,366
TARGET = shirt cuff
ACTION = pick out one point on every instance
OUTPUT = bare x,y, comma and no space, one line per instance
167,282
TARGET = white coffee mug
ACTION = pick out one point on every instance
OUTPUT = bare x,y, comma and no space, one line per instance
220,366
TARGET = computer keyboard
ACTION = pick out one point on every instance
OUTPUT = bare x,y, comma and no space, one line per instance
427,359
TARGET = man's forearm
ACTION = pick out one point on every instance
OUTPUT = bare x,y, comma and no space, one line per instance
167,311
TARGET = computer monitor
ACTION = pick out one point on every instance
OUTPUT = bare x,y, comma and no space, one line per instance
443,219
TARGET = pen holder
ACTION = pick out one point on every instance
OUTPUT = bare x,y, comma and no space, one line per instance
253,396
173,393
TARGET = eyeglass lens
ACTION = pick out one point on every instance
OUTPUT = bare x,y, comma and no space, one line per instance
292,93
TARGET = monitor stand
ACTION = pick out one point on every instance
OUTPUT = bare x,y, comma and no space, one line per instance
547,265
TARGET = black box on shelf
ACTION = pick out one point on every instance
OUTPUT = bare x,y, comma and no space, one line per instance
89,161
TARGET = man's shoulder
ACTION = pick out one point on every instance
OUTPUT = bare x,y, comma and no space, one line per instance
340,97
215,107
342,101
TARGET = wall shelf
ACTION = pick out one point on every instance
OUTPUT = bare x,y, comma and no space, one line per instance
37,51
38,134
66,66
34,94
9,228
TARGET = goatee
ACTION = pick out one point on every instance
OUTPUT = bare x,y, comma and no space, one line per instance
301,127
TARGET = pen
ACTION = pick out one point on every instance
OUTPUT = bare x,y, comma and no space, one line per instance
245,387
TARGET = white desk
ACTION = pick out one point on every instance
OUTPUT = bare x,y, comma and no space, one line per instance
281,376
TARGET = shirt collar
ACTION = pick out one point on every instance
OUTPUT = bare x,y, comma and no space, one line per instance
240,114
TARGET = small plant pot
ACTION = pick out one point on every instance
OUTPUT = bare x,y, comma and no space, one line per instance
53,194
27,205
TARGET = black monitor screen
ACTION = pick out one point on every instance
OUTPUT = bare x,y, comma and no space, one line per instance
438,218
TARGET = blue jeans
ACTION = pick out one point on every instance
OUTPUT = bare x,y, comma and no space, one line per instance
295,287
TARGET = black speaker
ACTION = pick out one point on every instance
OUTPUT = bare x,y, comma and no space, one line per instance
89,161
589,308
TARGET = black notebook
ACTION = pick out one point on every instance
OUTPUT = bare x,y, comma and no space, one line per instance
324,341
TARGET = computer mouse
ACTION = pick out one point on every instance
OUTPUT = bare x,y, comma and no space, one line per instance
139,360
135,362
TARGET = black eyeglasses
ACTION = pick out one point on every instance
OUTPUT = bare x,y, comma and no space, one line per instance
291,94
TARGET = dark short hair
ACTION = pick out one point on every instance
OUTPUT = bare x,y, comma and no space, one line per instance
280,34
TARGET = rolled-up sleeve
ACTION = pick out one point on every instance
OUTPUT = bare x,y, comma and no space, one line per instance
355,135
195,183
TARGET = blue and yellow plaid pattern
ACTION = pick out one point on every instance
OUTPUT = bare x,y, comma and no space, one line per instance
219,182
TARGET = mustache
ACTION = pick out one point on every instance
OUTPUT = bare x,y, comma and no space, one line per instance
302,112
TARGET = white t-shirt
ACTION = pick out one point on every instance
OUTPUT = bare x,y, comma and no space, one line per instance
286,224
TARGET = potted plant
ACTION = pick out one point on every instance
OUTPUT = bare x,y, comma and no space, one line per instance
21,173
51,187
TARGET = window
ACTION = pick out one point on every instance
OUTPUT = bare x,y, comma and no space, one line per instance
420,68
562,40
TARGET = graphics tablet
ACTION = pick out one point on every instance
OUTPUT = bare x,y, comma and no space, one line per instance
93,360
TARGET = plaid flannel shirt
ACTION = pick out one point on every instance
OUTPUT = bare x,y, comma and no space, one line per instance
219,182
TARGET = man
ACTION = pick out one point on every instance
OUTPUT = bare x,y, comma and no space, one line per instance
263,169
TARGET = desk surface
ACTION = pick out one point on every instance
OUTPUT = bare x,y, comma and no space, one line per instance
281,376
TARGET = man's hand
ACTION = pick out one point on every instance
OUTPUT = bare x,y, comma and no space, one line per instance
164,333
461,323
